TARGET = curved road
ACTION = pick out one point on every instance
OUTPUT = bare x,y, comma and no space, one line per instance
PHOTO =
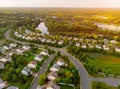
85,78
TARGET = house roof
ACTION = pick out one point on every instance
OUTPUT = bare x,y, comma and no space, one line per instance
27,69
12,87
53,74
56,66
33,62
1,81
2,65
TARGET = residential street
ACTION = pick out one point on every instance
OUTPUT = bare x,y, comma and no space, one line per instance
85,78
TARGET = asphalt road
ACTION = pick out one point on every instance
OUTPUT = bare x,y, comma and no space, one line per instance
85,78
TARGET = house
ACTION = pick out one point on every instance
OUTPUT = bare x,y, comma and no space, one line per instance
75,38
12,87
83,45
77,44
2,84
10,54
98,46
105,41
117,49
26,71
2,65
81,40
8,58
90,45
4,60
53,42
69,38
19,51
48,41
113,41
106,47
60,42
32,64
60,62
38,58
52,76
26,48
50,85
5,47
55,68
12,45
42,40
44,53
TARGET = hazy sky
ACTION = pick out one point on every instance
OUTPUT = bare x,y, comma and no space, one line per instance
59,3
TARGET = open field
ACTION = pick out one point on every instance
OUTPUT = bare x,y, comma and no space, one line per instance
108,64
101,85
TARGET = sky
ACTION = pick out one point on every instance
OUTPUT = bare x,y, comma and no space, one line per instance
60,3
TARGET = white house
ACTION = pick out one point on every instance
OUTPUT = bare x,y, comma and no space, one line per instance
83,45
12,45
113,41
98,46
75,38
44,53
38,58
12,87
90,45
52,76
4,60
60,62
2,65
19,51
32,64
42,40
53,42
60,42
117,49
77,44
105,41
55,68
26,71
48,41
106,47
26,47
2,84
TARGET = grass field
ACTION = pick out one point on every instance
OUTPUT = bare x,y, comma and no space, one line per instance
66,87
107,63
101,85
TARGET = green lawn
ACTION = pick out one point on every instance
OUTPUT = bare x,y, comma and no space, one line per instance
107,63
2,31
101,85
66,87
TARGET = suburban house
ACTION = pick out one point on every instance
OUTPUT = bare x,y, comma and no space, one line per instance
8,58
12,87
69,38
117,49
90,45
13,45
42,40
106,47
48,41
98,46
105,41
53,42
75,38
4,60
83,45
113,41
32,64
52,76
19,51
2,65
55,68
50,85
26,71
2,84
44,53
60,42
26,48
38,58
60,62
77,44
